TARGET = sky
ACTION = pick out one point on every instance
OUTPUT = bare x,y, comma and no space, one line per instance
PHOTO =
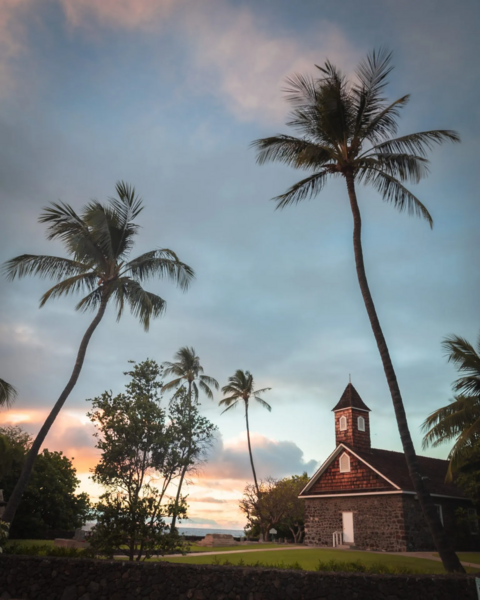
167,95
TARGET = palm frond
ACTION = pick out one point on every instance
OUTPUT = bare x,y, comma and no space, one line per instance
306,188
393,191
262,402
230,402
467,360
83,282
91,301
210,381
301,90
162,263
405,167
292,151
64,224
448,422
44,266
143,305
379,126
417,143
8,393
171,384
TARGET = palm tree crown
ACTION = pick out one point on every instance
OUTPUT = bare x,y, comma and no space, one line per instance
187,368
241,387
99,241
7,393
459,420
350,129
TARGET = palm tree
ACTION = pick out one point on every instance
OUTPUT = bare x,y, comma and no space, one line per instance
459,420
241,387
187,369
349,130
99,241
7,393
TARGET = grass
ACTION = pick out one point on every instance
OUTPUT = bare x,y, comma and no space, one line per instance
255,546
20,543
309,560
471,557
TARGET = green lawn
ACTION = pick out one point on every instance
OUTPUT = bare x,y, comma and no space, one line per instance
30,543
308,559
254,546
471,557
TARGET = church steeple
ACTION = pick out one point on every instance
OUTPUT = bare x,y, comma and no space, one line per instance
352,421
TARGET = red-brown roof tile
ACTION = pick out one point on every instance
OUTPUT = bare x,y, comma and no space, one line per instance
350,399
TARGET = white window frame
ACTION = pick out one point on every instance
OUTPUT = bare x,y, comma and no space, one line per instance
343,423
361,424
439,512
341,462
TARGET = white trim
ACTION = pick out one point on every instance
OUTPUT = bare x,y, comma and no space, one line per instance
373,469
352,407
378,494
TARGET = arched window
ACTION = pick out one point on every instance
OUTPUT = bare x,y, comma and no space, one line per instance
344,463
343,423
361,424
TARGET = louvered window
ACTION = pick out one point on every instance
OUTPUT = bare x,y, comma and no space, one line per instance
361,424
344,463
343,423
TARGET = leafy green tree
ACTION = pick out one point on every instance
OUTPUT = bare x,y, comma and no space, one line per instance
7,393
241,387
99,241
459,420
50,501
143,452
276,505
348,129
188,370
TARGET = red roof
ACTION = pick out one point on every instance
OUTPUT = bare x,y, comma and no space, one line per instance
350,399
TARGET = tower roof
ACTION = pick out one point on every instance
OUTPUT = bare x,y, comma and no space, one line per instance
350,399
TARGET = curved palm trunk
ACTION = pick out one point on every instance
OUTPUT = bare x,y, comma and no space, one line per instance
442,542
184,471
22,482
250,449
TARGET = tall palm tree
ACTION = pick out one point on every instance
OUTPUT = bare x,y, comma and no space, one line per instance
187,368
459,420
349,130
99,241
241,387
7,393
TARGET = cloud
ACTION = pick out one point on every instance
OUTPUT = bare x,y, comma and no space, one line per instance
208,500
230,460
118,13
12,39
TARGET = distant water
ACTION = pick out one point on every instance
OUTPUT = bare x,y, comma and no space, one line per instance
192,530
204,530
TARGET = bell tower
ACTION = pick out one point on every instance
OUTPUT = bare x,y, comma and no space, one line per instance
352,421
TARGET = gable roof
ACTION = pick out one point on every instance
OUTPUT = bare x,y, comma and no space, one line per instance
350,399
392,467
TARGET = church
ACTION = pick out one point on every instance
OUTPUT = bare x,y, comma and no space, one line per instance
363,497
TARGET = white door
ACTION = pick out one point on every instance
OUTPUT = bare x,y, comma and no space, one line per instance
347,527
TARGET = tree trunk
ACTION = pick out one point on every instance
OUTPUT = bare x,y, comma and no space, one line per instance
250,450
184,470
442,542
22,482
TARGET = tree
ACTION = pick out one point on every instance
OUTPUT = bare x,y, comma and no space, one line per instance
459,420
349,130
99,241
276,504
188,369
241,387
50,501
142,449
7,393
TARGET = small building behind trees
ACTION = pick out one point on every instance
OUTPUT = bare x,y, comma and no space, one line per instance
366,495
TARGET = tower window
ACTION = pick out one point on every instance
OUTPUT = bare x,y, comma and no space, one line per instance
344,463
361,424
343,423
